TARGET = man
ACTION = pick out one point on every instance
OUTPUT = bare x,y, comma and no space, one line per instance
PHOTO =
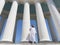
32,34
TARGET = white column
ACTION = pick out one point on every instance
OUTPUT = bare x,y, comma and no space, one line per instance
55,16
26,22
10,24
2,3
42,28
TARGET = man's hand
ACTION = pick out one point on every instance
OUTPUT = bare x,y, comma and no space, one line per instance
30,29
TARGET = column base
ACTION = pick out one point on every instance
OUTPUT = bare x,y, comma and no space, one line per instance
24,41
1,41
45,40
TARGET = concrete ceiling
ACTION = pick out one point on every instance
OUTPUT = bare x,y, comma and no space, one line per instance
22,1
32,8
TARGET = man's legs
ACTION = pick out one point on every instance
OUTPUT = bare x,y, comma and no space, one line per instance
30,41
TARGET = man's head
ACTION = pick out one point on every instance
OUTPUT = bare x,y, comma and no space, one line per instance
32,25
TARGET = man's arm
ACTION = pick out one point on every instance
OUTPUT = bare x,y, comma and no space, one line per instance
30,29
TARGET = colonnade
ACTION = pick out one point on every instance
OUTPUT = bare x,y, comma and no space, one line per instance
42,27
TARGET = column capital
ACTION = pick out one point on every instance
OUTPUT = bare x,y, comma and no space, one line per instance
36,1
26,1
50,1
15,2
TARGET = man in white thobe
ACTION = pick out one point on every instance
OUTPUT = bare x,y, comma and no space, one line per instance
32,34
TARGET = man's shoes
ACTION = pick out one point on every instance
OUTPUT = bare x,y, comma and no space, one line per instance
31,42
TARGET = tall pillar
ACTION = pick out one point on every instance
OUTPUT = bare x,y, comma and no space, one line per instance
2,3
42,28
10,24
55,16
26,22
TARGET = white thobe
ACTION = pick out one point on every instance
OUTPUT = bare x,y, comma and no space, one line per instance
32,34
